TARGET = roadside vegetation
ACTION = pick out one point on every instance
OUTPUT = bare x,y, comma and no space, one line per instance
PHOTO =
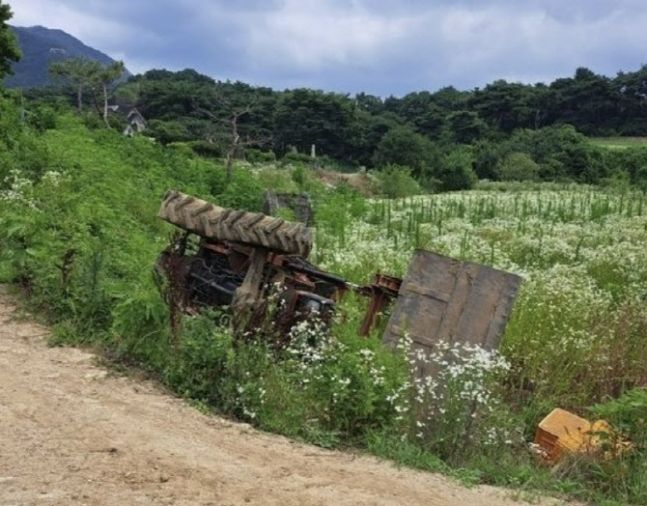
79,236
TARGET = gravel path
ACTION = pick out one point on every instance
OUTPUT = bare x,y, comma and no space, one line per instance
73,433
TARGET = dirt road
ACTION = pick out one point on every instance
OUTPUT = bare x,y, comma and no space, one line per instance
73,433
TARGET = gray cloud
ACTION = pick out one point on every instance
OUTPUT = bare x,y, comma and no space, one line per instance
379,46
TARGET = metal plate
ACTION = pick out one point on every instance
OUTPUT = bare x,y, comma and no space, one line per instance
446,299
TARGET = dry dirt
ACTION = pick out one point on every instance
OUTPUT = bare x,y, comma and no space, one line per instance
73,433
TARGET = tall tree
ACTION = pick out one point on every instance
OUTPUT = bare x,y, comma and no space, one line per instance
79,73
9,50
505,105
631,90
420,110
304,117
227,118
106,76
369,103
464,127
405,147
587,101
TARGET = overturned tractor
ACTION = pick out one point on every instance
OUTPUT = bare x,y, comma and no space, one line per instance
239,258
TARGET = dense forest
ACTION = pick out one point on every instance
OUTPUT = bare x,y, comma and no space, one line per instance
447,139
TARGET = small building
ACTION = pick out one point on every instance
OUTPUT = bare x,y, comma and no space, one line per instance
136,123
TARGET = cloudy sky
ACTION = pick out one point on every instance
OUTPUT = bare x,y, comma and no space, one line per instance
382,47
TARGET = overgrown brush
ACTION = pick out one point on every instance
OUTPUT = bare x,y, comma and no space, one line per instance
78,234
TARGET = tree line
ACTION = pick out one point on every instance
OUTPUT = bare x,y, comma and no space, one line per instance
445,140
594,104
86,75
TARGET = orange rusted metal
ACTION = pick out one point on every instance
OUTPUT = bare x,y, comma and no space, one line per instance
382,292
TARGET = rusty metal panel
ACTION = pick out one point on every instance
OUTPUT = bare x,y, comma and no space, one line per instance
446,299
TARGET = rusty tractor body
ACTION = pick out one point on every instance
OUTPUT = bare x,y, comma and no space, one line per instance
241,258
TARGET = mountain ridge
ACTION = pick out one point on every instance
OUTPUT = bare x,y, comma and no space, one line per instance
40,46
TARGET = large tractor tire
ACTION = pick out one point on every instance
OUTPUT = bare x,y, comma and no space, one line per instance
256,229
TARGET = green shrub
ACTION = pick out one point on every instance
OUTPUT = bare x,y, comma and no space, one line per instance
628,415
293,157
517,167
256,156
168,131
397,182
42,117
455,171
208,149
277,179
404,147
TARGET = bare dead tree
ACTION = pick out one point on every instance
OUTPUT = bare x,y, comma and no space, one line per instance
235,143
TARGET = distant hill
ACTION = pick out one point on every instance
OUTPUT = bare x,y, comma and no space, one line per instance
40,46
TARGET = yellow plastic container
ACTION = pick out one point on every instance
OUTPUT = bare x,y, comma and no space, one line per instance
562,431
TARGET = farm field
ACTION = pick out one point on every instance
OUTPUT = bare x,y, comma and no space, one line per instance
575,337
